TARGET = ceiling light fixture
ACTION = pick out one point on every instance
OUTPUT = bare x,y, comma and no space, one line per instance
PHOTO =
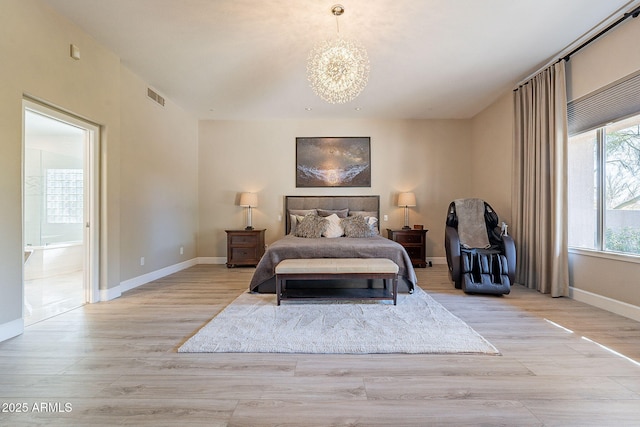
338,69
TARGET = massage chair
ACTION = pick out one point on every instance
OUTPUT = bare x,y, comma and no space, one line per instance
489,270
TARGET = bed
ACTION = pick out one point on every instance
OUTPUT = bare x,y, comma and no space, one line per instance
290,246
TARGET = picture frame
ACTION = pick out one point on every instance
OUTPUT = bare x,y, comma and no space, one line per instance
333,162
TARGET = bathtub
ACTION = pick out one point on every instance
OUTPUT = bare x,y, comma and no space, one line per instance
54,259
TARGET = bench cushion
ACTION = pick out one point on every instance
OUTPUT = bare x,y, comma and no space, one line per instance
336,266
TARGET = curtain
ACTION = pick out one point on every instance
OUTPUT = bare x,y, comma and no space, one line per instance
539,201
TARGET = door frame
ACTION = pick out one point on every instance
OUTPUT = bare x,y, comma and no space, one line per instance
91,190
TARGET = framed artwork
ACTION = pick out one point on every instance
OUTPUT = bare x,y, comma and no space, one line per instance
333,162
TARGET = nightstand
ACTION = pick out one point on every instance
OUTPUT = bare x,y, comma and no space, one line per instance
244,247
414,242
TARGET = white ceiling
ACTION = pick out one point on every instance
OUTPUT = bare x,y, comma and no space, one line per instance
246,59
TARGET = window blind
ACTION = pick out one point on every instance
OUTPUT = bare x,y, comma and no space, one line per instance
613,102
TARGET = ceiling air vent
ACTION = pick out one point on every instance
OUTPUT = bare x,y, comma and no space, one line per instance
154,96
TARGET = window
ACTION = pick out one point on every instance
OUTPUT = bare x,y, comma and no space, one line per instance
64,196
604,188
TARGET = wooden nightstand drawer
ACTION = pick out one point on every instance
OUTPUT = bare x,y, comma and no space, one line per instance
403,237
240,255
244,247
243,239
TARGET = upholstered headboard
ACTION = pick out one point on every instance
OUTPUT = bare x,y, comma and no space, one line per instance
353,203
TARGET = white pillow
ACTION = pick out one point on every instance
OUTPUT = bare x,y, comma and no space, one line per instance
334,229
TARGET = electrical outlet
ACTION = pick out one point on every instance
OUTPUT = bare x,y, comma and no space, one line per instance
141,260
181,250
385,218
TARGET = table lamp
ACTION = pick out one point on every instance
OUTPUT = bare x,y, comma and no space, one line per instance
249,200
404,201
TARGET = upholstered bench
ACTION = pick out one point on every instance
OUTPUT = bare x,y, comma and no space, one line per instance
338,268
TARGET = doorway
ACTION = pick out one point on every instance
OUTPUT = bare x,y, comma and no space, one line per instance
59,212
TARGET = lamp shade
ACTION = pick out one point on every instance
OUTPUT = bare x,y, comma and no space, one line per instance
406,199
249,200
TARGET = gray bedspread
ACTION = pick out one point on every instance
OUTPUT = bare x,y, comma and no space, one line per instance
340,247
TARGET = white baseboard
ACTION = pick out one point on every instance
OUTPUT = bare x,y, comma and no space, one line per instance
109,294
127,285
606,303
11,329
437,260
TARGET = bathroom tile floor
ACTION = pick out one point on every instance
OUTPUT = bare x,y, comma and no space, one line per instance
49,296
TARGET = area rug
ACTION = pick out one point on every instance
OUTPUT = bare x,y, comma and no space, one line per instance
253,323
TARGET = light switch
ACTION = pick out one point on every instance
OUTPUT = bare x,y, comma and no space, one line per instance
75,52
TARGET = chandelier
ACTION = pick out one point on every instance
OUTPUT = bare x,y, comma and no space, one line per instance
338,69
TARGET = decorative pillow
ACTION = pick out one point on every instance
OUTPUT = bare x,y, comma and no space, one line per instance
356,226
371,217
342,213
373,224
294,220
299,214
334,229
311,226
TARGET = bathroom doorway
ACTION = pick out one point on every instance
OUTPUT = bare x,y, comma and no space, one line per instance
59,208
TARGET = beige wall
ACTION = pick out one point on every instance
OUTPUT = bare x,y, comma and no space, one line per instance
430,157
34,48
159,197
492,154
608,59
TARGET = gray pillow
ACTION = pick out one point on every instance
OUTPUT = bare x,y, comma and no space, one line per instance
342,213
302,212
356,226
364,213
299,213
311,226
293,222
371,217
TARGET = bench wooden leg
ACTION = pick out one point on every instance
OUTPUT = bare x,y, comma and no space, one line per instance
395,290
392,284
278,289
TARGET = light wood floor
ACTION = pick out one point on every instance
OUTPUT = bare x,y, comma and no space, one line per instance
115,363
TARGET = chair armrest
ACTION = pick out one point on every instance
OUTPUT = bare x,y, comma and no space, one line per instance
452,249
510,253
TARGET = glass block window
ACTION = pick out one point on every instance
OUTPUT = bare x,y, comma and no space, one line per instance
64,196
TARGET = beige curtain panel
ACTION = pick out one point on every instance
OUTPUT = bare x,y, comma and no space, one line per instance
540,182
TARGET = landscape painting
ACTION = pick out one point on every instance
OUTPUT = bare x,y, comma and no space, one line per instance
333,162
